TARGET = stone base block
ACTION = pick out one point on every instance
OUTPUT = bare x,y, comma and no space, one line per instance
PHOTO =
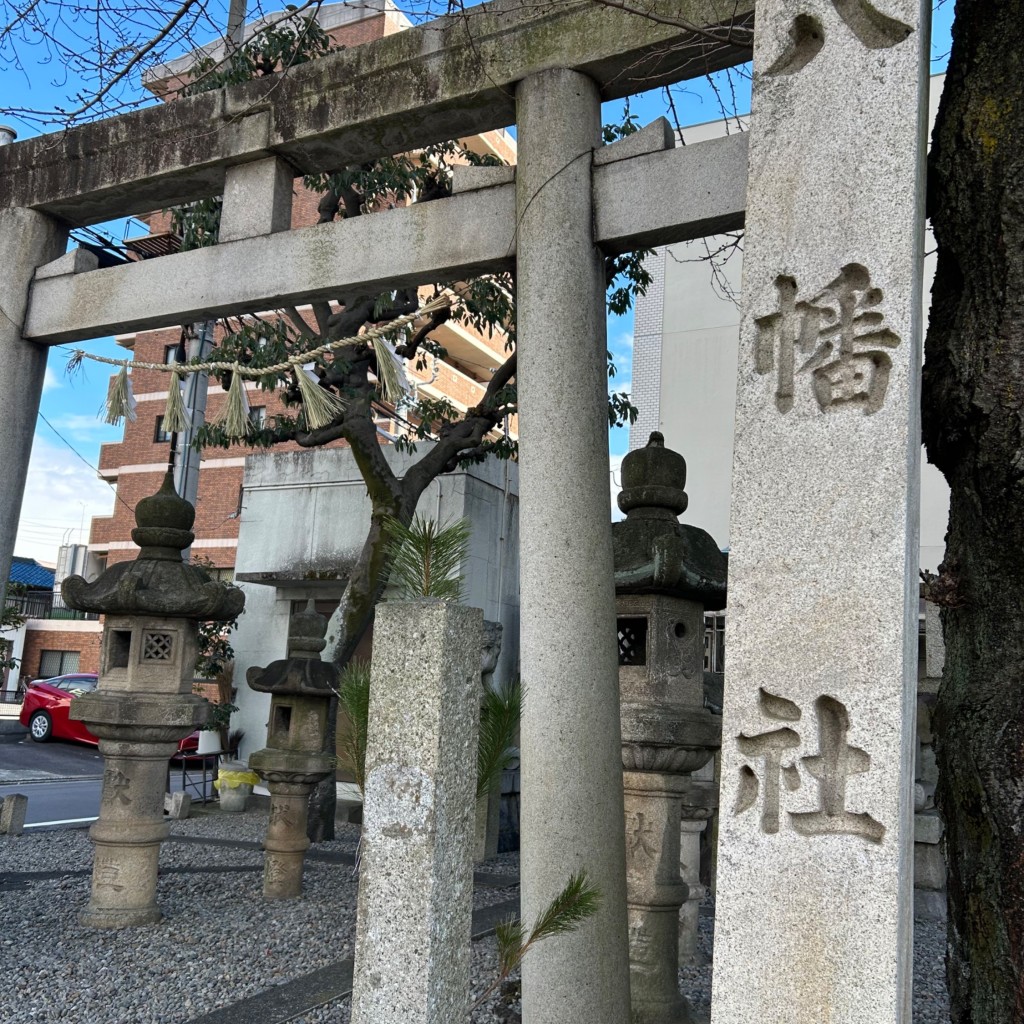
233,799
109,917
13,809
177,805
927,828
929,905
929,867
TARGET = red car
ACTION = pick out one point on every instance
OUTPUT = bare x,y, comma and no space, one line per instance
45,710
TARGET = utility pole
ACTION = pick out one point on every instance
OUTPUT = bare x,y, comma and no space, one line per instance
186,458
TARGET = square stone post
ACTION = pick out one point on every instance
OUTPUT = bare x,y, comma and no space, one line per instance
814,901
415,907
572,802
27,241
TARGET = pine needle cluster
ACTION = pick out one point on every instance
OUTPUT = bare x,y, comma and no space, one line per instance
426,557
579,900
354,698
500,712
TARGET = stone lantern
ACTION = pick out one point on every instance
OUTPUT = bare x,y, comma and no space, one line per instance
293,762
144,703
666,575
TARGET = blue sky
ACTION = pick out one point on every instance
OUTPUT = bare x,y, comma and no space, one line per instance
63,490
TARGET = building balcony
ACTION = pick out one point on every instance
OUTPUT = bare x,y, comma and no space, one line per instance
46,606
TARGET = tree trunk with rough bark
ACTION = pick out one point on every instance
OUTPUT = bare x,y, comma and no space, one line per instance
974,430
356,610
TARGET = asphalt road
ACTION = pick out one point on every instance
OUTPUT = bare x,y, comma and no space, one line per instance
60,779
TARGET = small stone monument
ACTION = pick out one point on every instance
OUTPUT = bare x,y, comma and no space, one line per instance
488,806
144,702
416,878
13,809
293,762
666,575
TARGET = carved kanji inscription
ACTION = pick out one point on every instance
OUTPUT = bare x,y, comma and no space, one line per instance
872,27
836,340
830,768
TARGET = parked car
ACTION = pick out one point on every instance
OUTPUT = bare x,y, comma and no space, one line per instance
46,705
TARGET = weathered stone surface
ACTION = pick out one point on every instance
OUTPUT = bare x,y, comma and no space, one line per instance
77,261
488,806
27,240
177,805
293,761
655,892
927,828
448,78
655,554
13,809
257,199
817,753
157,582
143,705
415,882
469,233
652,138
572,805
934,645
663,571
929,867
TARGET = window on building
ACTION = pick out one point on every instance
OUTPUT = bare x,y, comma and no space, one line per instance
171,354
258,417
159,434
57,663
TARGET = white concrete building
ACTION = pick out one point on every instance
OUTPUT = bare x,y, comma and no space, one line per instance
686,340
304,519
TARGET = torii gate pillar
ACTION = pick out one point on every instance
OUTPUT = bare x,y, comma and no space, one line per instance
572,809
27,240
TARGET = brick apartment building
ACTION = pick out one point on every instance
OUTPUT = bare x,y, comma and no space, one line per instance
136,464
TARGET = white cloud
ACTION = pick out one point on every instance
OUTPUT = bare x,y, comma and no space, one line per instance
78,424
60,492
50,380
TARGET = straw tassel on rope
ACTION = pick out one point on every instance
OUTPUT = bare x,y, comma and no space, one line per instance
120,400
175,416
234,419
319,406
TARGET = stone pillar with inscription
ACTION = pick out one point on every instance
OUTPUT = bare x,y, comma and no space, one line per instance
817,749
293,762
144,703
666,574
415,908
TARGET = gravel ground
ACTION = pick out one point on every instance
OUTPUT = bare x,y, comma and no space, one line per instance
221,942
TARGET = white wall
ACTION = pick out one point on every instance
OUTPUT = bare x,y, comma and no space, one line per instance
17,650
696,377
307,513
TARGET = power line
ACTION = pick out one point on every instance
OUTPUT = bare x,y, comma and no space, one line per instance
82,458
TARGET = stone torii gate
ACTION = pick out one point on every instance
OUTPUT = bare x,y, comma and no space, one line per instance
825,453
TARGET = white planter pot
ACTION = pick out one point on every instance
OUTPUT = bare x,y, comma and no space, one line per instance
209,741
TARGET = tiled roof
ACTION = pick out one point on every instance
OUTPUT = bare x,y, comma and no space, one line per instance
29,573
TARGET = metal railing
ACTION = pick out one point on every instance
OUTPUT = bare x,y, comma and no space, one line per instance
45,606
